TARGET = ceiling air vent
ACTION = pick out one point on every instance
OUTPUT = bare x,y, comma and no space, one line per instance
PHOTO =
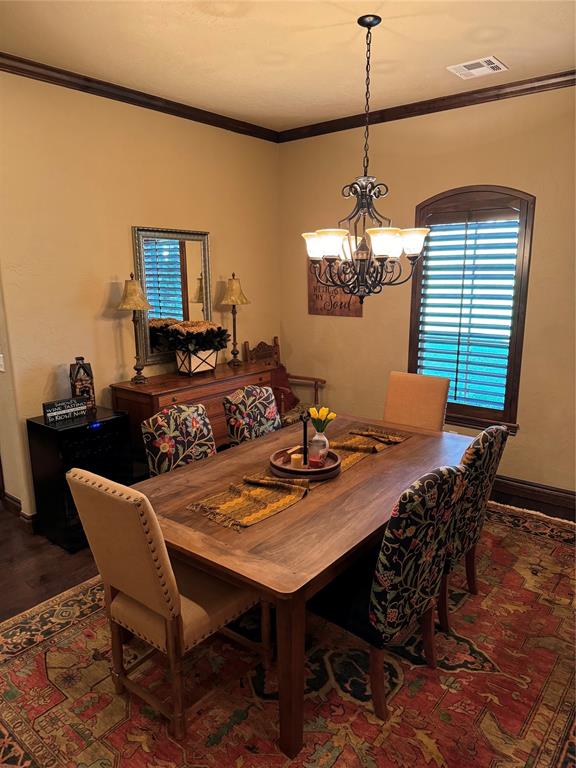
478,68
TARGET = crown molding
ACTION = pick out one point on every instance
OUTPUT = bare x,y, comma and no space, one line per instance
47,74
428,107
35,70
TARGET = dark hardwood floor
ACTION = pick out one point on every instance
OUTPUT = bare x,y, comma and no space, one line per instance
32,569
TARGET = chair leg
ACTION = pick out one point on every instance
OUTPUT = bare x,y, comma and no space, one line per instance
118,670
443,604
377,683
177,726
427,623
470,558
266,634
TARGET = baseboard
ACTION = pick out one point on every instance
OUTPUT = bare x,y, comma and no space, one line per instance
13,505
556,502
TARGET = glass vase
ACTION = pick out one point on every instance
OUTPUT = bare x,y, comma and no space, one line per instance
318,450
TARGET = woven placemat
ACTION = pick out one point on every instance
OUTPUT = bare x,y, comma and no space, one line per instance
261,495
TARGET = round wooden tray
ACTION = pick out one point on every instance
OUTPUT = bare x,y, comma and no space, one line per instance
280,469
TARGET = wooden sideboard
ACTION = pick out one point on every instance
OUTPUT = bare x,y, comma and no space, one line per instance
144,400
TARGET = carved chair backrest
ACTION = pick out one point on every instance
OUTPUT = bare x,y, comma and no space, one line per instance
263,351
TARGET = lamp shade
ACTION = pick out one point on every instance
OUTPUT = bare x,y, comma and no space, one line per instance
133,296
198,297
313,245
234,295
385,241
331,241
413,240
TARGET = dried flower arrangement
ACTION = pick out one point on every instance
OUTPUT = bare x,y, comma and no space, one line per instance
168,333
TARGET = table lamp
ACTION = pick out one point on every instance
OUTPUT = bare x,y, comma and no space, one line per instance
133,298
232,298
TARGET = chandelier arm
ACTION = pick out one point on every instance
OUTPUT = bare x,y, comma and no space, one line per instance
397,280
374,272
356,212
380,218
336,277
390,269
352,277
396,272
316,269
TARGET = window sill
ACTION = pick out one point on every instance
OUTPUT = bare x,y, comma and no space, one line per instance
477,422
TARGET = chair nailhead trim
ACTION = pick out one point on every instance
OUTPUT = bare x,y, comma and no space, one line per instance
137,501
198,640
223,624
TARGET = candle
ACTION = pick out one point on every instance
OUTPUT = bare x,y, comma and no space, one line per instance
296,461
304,418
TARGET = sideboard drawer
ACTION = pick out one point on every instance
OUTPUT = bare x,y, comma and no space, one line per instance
202,394
143,401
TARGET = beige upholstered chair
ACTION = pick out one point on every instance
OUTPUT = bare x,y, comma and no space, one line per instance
170,605
416,400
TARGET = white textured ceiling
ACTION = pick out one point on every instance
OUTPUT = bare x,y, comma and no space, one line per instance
286,64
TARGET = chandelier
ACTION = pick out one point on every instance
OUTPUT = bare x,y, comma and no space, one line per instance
365,253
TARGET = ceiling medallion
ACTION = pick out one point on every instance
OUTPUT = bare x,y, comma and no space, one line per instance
364,253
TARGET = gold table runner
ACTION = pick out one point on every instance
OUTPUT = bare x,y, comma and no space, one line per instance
261,495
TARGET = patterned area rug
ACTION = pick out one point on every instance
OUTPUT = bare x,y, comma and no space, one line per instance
502,694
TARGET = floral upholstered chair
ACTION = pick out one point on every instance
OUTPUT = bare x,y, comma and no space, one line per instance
406,578
480,461
176,436
251,412
289,405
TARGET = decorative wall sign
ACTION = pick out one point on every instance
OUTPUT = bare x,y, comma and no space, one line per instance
82,382
61,410
331,301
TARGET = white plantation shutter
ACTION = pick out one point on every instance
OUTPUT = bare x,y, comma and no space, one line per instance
162,266
466,309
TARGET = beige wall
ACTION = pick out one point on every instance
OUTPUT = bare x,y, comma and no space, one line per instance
76,173
526,143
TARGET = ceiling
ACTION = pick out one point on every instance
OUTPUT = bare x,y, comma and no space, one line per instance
287,64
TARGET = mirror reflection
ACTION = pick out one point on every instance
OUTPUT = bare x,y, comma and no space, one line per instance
174,269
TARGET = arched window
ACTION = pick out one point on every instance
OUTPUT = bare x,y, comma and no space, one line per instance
469,299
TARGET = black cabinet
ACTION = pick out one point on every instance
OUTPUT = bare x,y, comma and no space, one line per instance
99,443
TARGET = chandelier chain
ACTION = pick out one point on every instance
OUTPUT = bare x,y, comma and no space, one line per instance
367,103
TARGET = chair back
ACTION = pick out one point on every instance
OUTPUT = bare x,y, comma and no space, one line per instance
480,460
126,541
251,412
176,436
263,352
416,400
412,556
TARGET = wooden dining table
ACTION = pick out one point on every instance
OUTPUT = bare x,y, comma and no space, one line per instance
290,556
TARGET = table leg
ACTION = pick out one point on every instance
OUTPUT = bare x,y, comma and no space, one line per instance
290,625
